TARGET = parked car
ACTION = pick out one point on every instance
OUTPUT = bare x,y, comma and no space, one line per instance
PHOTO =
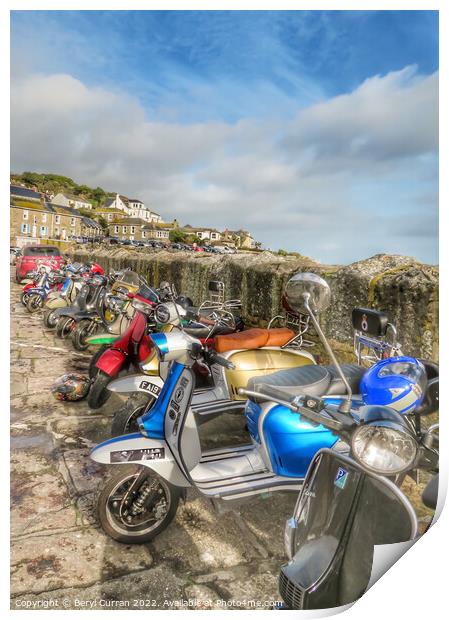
111,240
27,261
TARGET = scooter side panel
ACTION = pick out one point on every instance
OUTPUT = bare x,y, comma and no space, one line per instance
292,442
135,448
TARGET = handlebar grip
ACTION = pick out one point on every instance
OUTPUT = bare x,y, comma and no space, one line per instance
215,358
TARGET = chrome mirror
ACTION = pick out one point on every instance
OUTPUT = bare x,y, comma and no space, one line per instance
307,291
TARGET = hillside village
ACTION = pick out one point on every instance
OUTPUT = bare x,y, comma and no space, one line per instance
43,208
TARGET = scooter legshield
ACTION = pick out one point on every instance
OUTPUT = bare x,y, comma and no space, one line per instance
111,362
135,448
137,383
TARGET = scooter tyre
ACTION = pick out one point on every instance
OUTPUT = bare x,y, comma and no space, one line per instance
118,531
93,370
125,418
64,327
80,334
99,393
34,303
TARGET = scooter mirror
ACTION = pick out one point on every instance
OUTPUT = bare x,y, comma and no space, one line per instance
310,287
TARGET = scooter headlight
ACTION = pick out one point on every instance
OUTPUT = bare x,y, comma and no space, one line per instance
384,447
141,306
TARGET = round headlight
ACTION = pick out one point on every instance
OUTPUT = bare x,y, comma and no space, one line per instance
385,449
163,314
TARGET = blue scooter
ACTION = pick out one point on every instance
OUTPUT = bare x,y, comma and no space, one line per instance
160,462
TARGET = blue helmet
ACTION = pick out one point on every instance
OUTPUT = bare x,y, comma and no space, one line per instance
397,382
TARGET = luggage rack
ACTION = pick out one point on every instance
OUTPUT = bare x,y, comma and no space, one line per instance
299,323
375,338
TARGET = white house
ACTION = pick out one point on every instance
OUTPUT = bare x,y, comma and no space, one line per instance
120,203
138,209
207,234
69,200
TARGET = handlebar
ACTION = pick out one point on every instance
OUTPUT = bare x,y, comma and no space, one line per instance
214,358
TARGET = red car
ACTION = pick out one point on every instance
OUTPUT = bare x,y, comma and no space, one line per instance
30,256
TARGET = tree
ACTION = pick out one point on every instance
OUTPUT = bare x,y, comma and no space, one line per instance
177,236
103,223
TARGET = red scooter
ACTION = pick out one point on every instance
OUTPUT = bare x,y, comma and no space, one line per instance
117,354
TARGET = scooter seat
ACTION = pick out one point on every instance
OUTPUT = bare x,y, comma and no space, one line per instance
310,379
253,339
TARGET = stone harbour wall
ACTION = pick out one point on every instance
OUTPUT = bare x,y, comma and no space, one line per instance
404,288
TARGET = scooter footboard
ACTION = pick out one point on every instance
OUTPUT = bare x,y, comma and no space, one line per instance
135,448
137,383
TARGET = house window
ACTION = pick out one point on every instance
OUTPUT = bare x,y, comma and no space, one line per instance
144,234
116,230
44,231
25,215
72,221
125,229
44,218
213,236
56,231
109,217
57,219
35,219
25,228
133,229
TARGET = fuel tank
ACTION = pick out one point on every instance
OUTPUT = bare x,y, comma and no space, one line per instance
291,441
258,362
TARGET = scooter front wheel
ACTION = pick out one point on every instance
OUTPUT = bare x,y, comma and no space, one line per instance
24,298
99,393
34,303
136,505
64,327
125,418
50,319
82,331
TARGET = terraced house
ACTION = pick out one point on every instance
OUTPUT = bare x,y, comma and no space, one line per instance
33,218
136,229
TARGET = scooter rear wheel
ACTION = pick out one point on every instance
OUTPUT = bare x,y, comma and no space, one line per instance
24,298
34,303
136,505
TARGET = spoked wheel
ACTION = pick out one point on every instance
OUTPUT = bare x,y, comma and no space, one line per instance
125,418
64,326
136,505
50,318
34,303
83,330
24,298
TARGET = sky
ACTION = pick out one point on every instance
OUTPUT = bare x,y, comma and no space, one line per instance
317,131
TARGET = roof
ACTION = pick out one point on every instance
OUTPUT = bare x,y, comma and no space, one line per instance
24,204
155,226
108,212
130,221
74,198
109,201
62,210
136,200
87,221
199,228
24,192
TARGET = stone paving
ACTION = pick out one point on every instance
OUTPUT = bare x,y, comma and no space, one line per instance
209,557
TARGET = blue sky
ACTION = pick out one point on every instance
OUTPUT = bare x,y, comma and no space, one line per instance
222,96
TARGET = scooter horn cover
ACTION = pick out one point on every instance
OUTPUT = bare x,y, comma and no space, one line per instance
397,382
71,387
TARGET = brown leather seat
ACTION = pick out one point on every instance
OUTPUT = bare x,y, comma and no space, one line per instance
279,336
253,339
248,339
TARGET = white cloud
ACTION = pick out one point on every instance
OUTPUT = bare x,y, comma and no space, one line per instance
355,163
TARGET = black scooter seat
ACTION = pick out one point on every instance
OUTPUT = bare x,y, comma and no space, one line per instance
310,379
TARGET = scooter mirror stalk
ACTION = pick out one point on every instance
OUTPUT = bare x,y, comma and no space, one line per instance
345,406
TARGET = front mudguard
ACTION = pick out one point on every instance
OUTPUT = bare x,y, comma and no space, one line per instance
135,448
137,383
102,338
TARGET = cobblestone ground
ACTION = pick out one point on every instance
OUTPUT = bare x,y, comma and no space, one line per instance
226,558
